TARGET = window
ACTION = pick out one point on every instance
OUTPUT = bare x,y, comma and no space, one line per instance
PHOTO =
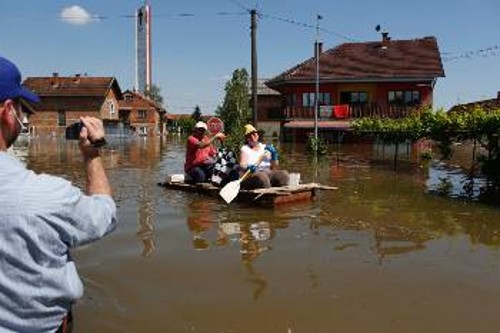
307,99
141,113
292,99
111,107
406,97
61,118
353,97
128,98
323,99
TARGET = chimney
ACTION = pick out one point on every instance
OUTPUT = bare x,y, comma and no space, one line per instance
385,40
318,47
54,82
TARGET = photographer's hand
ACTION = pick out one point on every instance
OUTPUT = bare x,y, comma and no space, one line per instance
96,181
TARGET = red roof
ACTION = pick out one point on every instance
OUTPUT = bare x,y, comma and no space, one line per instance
72,93
72,86
414,59
138,100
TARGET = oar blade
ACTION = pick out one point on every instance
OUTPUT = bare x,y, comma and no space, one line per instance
230,191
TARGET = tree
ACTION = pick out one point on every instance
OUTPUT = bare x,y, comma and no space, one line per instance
235,110
154,93
197,113
186,124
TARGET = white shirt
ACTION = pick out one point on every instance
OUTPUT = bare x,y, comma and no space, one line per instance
252,156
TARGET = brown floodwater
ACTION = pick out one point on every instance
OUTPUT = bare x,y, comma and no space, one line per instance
380,254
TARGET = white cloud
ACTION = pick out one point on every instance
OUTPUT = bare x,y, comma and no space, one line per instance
75,15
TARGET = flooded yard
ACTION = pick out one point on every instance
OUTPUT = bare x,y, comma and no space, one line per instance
383,253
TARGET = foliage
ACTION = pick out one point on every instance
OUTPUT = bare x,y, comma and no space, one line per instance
443,128
196,115
426,155
186,124
235,109
317,145
154,93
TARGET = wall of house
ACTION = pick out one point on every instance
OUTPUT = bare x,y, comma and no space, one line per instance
268,107
110,107
147,125
377,92
45,122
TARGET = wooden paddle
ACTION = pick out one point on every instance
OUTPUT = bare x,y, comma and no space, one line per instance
231,189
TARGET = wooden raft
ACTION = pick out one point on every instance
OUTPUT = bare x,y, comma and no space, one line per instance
268,197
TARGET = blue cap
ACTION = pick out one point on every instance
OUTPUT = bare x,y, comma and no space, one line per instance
10,83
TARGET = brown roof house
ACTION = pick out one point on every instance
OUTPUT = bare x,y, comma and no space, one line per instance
387,78
65,99
140,113
487,105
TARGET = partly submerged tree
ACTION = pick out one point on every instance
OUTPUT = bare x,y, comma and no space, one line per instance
235,110
154,93
196,115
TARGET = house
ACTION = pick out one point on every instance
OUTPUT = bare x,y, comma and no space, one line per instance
486,105
386,78
175,123
141,114
269,109
65,99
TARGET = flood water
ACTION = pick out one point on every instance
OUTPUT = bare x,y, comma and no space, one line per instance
380,254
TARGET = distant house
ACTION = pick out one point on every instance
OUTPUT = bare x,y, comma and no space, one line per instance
269,109
65,99
486,105
141,114
386,78
174,122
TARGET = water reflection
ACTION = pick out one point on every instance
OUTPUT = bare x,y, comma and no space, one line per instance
202,222
145,214
382,241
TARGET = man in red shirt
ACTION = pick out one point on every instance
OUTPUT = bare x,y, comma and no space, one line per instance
200,154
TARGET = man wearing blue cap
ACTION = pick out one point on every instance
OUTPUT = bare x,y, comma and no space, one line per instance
41,218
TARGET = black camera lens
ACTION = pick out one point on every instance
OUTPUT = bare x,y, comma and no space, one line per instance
73,131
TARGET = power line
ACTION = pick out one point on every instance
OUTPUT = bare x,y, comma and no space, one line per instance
260,14
307,25
484,52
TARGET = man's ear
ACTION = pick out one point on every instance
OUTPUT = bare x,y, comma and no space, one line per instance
5,108
7,104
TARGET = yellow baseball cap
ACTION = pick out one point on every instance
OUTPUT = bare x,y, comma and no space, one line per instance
249,129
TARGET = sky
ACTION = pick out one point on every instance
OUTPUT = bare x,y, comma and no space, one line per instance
197,44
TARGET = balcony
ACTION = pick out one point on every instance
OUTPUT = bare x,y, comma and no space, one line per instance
346,112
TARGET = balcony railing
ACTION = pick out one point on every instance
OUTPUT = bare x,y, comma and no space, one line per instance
349,111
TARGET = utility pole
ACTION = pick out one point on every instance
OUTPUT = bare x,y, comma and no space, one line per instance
316,95
253,26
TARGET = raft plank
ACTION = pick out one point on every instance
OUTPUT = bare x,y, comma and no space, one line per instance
268,197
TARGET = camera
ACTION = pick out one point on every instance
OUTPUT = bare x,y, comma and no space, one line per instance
73,133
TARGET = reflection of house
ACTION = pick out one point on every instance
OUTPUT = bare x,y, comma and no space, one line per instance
141,114
486,105
387,78
65,99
